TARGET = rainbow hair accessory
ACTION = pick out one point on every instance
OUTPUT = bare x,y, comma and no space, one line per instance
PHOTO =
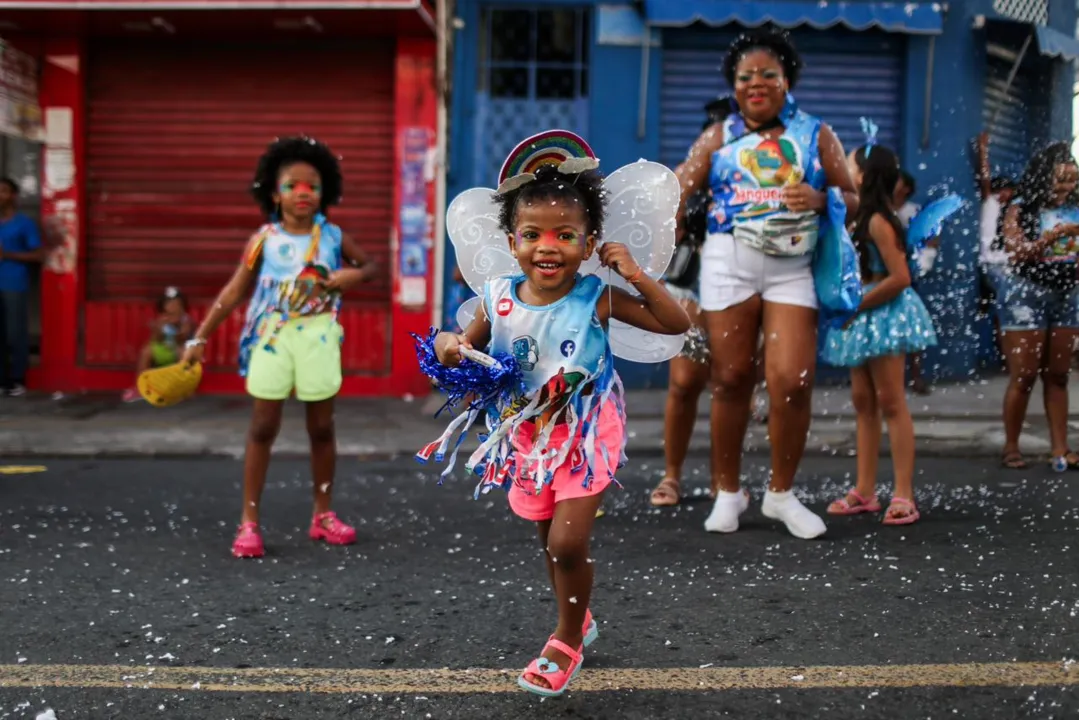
560,148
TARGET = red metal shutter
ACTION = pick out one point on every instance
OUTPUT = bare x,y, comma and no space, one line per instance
174,134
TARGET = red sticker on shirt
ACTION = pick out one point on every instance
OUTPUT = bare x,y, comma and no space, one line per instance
504,307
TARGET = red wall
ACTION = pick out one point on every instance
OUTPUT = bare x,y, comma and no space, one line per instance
62,293
62,86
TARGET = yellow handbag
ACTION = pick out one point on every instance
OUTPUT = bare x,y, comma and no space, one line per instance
165,386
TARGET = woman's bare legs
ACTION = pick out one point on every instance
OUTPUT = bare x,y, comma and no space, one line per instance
790,340
1056,367
1023,350
688,379
732,337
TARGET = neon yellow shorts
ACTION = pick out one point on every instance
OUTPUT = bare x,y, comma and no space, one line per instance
306,357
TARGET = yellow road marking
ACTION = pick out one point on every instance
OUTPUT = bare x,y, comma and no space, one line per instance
21,469
325,680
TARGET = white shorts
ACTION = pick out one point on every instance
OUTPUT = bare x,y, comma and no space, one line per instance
732,272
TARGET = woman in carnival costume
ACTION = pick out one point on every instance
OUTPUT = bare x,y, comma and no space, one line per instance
1038,298
891,324
299,264
556,423
770,167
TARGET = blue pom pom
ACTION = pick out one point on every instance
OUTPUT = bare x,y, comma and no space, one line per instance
486,385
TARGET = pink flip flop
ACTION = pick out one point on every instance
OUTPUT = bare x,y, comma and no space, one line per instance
554,675
842,506
911,516
333,532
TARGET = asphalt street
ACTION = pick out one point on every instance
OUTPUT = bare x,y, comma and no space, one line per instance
119,599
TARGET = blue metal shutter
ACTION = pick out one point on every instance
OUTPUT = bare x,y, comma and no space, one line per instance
1010,136
847,75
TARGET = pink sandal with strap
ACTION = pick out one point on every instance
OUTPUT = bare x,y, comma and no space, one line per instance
248,542
843,505
326,526
590,629
901,504
556,677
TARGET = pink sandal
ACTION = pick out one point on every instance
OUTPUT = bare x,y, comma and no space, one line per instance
590,629
554,675
843,506
334,532
248,542
901,504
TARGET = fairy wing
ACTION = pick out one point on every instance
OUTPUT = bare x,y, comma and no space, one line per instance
480,245
642,202
467,311
929,222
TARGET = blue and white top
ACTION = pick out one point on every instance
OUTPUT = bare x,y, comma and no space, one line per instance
1057,268
289,268
749,174
564,339
567,373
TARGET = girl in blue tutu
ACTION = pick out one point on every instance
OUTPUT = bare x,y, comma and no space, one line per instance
891,323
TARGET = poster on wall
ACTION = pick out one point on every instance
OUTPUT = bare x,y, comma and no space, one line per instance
20,113
414,214
61,237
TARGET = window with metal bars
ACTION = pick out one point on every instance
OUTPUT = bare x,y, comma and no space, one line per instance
1031,11
536,54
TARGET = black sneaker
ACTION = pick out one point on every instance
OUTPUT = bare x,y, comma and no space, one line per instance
16,390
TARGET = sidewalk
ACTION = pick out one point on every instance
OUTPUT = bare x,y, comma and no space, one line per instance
961,419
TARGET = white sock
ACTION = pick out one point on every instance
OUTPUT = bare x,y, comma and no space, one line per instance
725,512
800,520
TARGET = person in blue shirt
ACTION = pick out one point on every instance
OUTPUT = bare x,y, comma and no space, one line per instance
20,247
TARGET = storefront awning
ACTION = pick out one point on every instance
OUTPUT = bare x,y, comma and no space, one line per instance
1051,43
1054,43
924,18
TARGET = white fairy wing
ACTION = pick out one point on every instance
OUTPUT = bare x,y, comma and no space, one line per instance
467,311
481,246
642,203
636,345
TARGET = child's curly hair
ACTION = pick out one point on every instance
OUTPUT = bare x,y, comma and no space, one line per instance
286,152
585,189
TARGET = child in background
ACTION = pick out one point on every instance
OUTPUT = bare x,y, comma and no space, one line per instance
299,264
169,331
891,323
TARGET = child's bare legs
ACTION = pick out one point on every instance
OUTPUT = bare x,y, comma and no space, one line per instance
265,423
867,413
887,374
320,430
145,361
566,538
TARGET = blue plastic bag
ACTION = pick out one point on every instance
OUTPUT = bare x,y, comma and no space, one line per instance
836,270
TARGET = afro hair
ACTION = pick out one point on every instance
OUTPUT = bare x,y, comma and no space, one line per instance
286,152
585,189
774,41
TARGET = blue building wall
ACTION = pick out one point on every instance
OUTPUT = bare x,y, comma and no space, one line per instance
939,155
